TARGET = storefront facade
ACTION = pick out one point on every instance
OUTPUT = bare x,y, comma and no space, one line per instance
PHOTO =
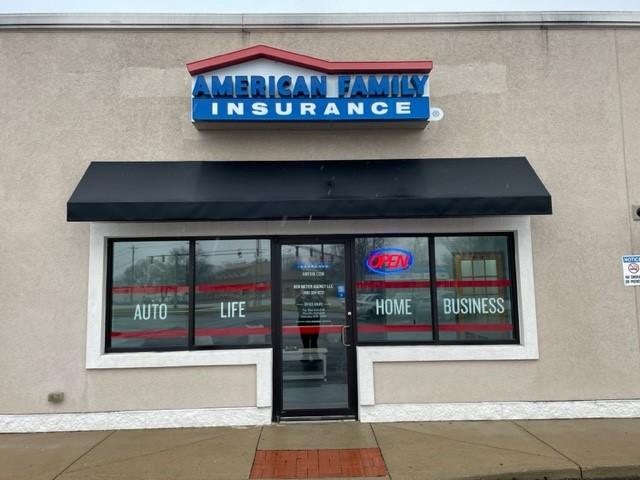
167,272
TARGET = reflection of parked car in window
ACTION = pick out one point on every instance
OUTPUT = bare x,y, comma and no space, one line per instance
366,307
422,305
397,308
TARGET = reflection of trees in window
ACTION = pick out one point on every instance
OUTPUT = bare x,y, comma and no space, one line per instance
142,265
416,245
371,287
158,269
294,255
363,246
238,264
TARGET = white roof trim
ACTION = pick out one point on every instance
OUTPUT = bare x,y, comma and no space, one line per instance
315,21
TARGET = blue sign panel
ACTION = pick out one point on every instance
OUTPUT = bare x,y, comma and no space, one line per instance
310,109
262,85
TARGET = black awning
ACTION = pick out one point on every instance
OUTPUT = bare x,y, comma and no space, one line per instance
261,190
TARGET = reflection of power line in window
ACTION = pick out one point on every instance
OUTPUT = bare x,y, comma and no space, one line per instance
232,251
236,252
322,253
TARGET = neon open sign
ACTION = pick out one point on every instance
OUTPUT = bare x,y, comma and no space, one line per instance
389,260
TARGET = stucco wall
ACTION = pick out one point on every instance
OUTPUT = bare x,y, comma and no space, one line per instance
565,98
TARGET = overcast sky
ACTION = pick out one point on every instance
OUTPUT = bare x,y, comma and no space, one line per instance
302,6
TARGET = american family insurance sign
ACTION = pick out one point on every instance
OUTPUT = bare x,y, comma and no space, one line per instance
262,85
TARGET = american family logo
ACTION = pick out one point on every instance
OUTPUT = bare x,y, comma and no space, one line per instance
262,84
389,260
311,266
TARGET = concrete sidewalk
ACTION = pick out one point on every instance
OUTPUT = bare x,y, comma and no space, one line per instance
549,449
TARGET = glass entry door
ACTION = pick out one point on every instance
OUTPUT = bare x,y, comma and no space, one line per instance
315,355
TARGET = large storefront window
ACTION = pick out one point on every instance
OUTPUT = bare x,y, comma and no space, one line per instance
393,297
470,276
183,294
233,292
188,294
150,295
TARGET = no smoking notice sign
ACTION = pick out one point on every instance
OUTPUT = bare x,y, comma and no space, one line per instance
631,270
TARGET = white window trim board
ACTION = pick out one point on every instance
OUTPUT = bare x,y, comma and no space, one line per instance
95,355
526,350
262,358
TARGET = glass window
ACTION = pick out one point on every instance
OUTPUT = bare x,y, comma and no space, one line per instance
218,292
474,286
149,295
393,297
233,292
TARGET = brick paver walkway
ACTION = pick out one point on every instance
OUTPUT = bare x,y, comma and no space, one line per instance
352,462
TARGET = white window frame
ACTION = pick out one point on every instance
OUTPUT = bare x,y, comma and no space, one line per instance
367,356
527,349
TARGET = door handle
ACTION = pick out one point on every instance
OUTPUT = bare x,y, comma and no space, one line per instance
344,335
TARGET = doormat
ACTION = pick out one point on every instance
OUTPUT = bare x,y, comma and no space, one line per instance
345,463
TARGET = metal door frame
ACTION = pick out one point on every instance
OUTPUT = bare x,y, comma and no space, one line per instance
351,412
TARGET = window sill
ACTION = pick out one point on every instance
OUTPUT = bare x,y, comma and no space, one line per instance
182,358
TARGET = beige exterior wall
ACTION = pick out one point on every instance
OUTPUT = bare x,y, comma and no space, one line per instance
566,98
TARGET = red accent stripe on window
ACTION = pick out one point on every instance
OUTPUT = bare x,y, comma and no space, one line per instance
473,283
128,290
233,287
172,333
364,328
313,330
377,284
235,331
476,327
200,332
200,288
265,287
458,327
310,329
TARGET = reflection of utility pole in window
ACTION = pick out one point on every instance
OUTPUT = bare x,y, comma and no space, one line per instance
132,281
175,292
163,282
256,294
